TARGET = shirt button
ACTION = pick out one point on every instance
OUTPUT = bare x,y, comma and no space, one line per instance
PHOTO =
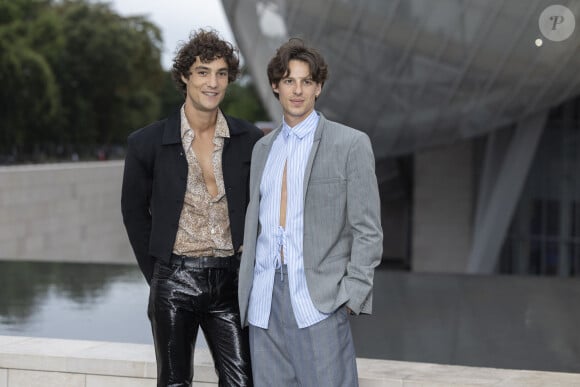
212,230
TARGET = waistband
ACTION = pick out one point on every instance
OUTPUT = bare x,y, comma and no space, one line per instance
231,262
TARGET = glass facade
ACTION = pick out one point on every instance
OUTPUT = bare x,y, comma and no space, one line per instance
418,75
544,237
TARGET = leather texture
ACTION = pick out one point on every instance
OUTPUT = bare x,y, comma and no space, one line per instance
184,297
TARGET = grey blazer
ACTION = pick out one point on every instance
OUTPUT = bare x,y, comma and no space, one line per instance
343,239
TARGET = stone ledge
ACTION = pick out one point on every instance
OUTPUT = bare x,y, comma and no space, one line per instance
389,373
90,363
91,358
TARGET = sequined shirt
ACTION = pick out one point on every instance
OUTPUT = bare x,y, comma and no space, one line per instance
204,225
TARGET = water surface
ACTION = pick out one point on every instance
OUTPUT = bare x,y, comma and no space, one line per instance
484,321
74,301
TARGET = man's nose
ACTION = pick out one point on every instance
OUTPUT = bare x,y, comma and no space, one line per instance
212,80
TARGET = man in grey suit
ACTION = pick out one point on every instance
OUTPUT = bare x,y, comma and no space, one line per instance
312,236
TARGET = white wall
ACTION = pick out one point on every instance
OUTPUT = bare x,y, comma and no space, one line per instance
63,212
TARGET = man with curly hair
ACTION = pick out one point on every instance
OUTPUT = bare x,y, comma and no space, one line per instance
184,198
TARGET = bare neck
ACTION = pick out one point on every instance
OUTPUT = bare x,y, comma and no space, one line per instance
201,121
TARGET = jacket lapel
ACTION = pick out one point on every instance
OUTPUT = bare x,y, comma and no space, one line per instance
266,146
313,151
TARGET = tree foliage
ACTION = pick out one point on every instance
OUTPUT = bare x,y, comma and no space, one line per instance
74,73
242,101
75,76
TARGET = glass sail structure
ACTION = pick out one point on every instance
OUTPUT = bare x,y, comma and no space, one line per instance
419,73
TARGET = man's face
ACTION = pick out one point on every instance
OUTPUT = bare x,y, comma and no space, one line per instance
297,92
206,85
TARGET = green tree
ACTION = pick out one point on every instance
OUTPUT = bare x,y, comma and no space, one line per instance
30,94
242,101
111,73
75,72
171,98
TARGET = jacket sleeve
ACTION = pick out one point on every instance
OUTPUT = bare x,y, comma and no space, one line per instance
364,217
135,207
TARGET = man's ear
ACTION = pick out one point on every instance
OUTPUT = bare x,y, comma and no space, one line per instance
184,79
275,88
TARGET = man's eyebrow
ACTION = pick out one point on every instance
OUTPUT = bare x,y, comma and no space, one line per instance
305,78
202,67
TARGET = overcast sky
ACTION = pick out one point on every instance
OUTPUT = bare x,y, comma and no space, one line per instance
177,18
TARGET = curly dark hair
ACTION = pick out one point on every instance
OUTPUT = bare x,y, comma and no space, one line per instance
296,49
208,46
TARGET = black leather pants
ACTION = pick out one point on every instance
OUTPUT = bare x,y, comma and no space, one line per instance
183,298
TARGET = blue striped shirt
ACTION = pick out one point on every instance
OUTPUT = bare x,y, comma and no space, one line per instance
292,146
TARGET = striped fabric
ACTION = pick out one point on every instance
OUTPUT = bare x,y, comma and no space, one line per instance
293,146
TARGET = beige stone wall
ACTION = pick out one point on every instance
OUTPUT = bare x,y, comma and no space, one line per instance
63,212
41,362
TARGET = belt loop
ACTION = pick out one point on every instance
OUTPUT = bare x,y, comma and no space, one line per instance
182,262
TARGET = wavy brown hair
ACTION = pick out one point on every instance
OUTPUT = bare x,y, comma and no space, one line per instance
295,49
208,46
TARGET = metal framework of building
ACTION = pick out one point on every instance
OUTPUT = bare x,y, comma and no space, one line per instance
417,73
420,74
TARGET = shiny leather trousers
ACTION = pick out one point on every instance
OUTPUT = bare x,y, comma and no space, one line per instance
181,300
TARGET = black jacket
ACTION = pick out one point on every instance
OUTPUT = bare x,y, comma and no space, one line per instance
154,184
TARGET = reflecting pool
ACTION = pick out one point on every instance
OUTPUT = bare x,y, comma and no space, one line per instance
484,321
81,301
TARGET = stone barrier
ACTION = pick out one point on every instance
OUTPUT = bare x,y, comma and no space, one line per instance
43,362
63,212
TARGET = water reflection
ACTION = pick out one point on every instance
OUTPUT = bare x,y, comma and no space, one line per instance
74,301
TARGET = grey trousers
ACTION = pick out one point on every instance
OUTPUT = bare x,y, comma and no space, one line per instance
284,355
